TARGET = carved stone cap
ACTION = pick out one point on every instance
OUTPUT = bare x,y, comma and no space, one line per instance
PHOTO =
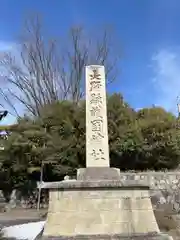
98,184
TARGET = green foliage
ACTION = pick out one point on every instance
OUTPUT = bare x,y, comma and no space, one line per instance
147,139
161,139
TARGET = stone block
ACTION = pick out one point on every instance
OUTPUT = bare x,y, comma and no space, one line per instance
99,207
98,173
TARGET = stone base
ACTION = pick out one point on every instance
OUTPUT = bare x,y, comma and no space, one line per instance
98,205
98,173
149,236
94,208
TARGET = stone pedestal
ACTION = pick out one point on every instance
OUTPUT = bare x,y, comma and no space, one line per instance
98,205
100,209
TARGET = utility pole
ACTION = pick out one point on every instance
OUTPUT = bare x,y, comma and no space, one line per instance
41,180
3,114
178,106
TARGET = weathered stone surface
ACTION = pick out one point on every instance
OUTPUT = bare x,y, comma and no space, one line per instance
98,173
148,236
99,211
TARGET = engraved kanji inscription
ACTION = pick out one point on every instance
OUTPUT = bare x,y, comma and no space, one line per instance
98,154
97,149
97,125
95,85
97,136
97,129
95,74
96,98
95,111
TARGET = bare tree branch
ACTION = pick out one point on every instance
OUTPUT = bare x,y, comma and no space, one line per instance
47,72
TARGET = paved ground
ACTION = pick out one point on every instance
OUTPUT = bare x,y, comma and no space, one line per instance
17,216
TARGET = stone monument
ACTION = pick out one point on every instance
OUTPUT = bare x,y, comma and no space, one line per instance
98,205
97,148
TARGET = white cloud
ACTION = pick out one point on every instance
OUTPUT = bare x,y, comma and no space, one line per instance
166,80
6,46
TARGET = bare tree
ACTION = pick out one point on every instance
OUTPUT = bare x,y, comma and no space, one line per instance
47,71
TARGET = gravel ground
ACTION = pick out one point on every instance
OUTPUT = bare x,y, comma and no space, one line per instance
18,216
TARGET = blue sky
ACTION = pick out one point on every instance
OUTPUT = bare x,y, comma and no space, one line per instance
148,33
